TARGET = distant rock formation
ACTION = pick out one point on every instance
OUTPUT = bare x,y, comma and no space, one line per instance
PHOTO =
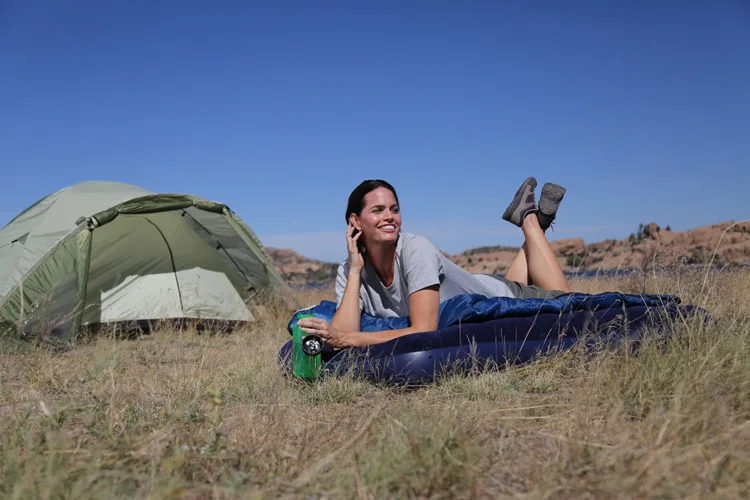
297,269
726,243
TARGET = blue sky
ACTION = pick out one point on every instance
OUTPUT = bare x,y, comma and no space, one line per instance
278,109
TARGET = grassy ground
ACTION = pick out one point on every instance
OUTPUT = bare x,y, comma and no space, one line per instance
188,415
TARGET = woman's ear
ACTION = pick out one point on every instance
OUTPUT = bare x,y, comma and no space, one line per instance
354,221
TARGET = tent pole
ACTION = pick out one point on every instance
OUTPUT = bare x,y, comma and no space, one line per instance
83,245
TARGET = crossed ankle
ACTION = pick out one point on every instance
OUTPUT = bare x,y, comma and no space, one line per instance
531,220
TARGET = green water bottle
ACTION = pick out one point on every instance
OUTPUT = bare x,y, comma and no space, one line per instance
306,351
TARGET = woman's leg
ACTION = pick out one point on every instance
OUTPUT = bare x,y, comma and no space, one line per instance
519,269
542,266
536,262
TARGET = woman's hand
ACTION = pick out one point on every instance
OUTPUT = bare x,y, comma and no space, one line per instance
331,336
356,260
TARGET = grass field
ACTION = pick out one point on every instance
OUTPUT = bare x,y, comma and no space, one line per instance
189,415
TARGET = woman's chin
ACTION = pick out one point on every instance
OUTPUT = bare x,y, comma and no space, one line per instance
388,237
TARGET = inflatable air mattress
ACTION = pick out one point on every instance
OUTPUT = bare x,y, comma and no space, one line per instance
475,331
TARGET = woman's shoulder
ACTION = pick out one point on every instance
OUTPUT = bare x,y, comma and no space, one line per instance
414,243
411,237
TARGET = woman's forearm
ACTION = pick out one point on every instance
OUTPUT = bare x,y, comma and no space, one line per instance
424,306
360,339
347,315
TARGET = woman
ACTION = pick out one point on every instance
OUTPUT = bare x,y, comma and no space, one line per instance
393,274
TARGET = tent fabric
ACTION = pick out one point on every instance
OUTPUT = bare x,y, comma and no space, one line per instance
45,226
101,252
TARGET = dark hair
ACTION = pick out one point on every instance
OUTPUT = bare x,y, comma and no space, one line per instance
357,199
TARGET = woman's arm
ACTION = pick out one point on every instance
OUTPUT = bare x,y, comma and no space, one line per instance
347,316
424,307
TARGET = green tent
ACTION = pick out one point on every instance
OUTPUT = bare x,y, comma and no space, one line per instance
104,252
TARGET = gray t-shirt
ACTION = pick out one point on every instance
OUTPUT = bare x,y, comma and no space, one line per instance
419,264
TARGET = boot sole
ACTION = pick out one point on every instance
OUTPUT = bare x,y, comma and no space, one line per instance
552,195
549,201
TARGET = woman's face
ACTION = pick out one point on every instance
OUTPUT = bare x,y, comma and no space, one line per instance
380,221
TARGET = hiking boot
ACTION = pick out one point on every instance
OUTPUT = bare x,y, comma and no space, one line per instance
524,203
552,195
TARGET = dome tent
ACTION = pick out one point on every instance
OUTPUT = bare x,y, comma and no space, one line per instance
104,252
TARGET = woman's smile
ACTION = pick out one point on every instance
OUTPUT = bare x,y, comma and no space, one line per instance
380,220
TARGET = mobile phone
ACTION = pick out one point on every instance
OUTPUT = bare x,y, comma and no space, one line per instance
360,242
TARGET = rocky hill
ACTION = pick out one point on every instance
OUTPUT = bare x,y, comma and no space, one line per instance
297,269
726,243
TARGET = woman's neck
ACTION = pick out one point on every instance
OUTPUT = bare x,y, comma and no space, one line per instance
383,260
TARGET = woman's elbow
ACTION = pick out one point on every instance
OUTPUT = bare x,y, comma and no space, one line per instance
425,326
343,325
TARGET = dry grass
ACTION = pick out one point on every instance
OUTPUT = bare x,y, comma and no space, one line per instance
188,415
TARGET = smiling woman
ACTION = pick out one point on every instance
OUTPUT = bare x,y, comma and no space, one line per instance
391,274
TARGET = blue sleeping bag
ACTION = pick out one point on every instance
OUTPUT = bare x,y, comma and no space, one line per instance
474,331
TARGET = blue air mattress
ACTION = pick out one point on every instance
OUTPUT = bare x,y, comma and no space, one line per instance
475,332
